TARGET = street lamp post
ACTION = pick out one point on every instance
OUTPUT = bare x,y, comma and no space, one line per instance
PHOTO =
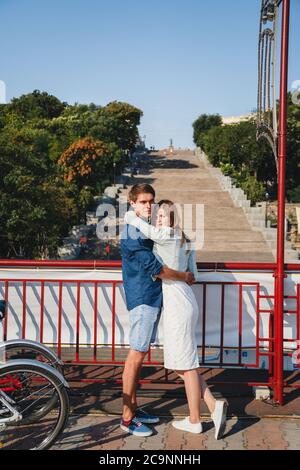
114,165
282,144
267,127
266,213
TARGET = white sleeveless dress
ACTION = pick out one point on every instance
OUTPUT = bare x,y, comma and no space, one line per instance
180,314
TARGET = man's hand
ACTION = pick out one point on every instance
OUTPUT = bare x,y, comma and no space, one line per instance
190,278
167,273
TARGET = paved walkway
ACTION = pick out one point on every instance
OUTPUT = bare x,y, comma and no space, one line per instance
90,432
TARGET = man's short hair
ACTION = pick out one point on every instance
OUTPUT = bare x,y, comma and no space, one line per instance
140,189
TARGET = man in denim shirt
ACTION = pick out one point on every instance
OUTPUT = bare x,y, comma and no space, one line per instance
142,274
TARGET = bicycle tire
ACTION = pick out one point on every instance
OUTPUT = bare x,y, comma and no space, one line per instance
51,359
57,380
36,347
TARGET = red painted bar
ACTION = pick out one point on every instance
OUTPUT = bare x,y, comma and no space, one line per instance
257,323
118,264
24,310
77,320
222,324
240,321
42,311
6,316
59,318
113,338
95,319
298,311
203,322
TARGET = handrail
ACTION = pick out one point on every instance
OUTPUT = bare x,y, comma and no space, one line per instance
96,264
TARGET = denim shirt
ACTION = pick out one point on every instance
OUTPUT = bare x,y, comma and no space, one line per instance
139,268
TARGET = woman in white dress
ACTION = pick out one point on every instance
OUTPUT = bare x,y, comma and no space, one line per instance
180,315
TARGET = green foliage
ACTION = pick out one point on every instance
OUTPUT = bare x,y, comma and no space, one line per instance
294,194
203,124
87,161
293,148
36,105
117,122
235,149
255,190
38,203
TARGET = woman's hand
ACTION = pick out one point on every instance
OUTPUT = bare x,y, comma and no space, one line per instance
129,217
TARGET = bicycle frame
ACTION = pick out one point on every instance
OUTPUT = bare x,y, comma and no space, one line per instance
17,385
8,402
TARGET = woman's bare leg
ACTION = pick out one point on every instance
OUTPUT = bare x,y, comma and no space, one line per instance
205,392
193,393
207,395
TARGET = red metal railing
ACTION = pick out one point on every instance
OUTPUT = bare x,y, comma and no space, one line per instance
261,350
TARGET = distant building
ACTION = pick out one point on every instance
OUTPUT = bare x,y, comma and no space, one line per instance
237,119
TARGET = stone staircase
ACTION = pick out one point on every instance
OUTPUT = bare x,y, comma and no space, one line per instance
255,215
233,231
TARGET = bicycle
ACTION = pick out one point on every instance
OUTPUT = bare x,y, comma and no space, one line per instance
27,349
26,403
25,385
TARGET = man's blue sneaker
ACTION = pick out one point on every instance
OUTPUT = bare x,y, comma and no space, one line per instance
145,417
136,428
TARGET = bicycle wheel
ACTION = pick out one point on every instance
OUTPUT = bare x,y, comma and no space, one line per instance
26,349
27,385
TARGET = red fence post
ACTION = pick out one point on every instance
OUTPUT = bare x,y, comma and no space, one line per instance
282,139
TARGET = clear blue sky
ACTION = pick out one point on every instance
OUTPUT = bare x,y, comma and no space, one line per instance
175,59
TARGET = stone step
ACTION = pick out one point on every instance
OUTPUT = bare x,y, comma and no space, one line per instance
195,184
208,198
290,256
228,234
270,233
236,235
247,246
235,257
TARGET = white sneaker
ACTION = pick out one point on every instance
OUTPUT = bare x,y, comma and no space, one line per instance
219,418
186,426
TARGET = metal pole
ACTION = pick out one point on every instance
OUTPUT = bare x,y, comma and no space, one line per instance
114,165
282,139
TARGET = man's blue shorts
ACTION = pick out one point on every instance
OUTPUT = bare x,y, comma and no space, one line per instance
143,327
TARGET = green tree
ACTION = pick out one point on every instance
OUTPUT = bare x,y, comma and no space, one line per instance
235,149
204,123
36,105
118,122
54,158
87,161
36,207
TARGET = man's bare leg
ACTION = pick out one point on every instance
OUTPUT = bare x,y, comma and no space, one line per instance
134,398
131,374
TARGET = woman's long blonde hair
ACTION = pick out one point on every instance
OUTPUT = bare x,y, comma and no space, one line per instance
174,219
